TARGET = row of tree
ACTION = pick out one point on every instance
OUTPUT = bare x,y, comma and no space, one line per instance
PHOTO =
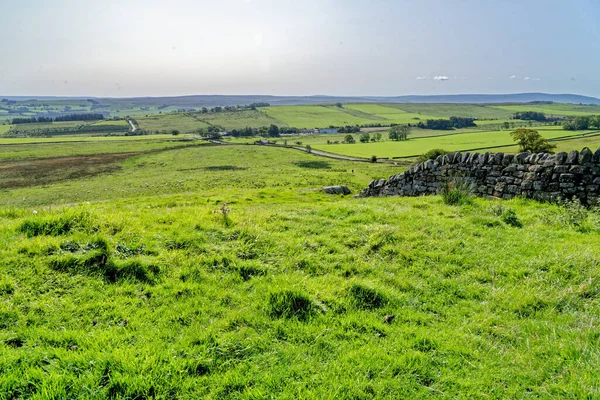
447,124
582,123
62,118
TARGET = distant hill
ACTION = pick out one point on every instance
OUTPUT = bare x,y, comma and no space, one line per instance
232,100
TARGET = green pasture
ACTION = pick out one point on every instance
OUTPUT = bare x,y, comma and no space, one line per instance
416,146
134,280
389,114
239,119
447,110
165,123
309,117
553,109
33,150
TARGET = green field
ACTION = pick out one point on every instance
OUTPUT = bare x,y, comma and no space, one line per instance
554,109
450,142
480,111
32,150
4,129
309,117
169,122
122,277
389,113
239,119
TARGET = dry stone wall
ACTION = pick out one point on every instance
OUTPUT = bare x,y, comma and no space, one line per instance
540,176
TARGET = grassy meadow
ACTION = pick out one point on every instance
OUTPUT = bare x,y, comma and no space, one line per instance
136,282
166,267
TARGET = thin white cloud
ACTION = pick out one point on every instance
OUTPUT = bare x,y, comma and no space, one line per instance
512,77
421,78
441,78
526,78
535,79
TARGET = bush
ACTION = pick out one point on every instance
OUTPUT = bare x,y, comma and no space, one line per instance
510,218
373,159
366,298
432,154
290,304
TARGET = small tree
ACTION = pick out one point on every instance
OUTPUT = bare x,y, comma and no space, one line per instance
365,137
349,139
377,136
308,148
531,141
273,131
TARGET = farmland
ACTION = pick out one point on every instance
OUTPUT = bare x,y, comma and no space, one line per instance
158,292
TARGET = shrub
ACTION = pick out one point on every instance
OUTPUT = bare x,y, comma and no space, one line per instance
373,159
432,154
366,298
290,304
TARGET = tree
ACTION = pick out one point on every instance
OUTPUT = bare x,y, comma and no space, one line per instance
273,131
399,132
531,141
505,125
338,105
365,137
377,136
349,139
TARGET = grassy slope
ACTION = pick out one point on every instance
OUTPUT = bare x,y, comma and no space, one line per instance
389,113
554,109
195,305
310,117
168,122
65,149
4,129
456,110
240,119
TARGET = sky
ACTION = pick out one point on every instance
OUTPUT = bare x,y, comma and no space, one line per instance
126,48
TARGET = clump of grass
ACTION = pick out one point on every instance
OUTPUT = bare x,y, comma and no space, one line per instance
432,154
6,288
98,261
57,226
290,304
457,192
510,217
366,298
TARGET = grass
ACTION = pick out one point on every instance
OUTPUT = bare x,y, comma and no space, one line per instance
135,283
480,111
240,119
389,113
172,314
554,109
310,117
168,122
53,149
4,129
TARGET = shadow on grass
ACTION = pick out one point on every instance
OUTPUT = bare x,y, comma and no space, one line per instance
313,164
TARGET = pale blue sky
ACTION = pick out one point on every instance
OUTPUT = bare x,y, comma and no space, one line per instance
289,47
